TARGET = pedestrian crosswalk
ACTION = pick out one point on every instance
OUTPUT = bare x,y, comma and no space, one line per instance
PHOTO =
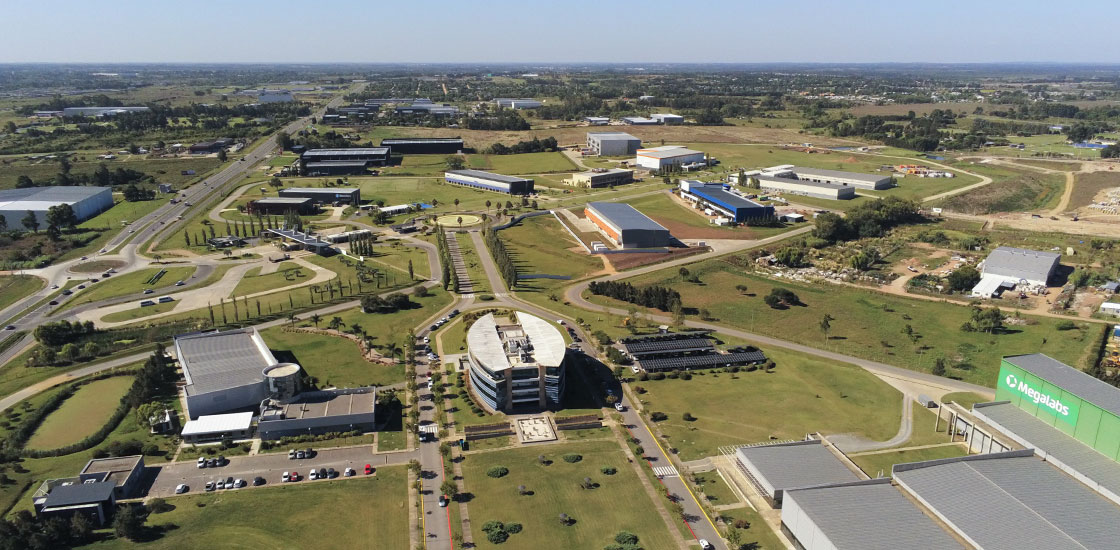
665,471
429,428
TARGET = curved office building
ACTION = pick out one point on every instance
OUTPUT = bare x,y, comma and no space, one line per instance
516,362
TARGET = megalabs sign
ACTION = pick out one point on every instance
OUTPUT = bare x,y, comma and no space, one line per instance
1032,390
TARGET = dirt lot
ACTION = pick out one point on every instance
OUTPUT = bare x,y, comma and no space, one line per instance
1090,188
622,262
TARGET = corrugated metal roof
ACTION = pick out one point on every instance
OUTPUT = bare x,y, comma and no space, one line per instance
58,193
488,176
1070,379
413,141
871,515
1065,449
219,360
1007,501
356,151
218,423
789,181
806,171
715,192
283,200
1020,263
667,152
321,190
611,136
799,464
624,216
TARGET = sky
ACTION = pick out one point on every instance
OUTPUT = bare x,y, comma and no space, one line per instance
496,31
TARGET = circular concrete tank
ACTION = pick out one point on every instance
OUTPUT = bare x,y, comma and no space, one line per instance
283,380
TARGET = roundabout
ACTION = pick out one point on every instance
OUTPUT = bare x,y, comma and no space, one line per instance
452,220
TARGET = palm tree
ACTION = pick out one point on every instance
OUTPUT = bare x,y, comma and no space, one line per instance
392,349
292,319
315,318
335,323
488,206
356,329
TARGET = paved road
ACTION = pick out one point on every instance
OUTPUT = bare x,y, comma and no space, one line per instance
270,466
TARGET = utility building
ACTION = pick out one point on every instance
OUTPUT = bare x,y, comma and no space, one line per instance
661,158
602,178
325,195
668,118
517,103
714,199
835,177
329,162
624,226
829,191
1008,267
86,202
281,205
490,181
423,146
613,144
516,362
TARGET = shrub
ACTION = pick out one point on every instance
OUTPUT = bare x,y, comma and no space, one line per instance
688,417
626,537
608,470
658,416
1066,325
497,471
497,537
159,506
513,528
572,458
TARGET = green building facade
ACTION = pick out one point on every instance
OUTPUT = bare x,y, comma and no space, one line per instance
1065,398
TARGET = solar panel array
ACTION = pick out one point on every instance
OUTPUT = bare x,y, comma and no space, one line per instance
666,346
702,361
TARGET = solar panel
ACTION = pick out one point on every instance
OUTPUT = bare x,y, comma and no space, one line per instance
702,361
658,346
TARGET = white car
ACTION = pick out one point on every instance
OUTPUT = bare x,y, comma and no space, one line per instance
180,489
285,478
238,483
348,472
201,462
313,475
705,545
618,406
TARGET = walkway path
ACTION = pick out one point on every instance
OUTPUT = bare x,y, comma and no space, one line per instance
466,286
852,443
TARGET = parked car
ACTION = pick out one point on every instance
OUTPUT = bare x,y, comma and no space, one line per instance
300,455
285,478
222,460
443,501
313,475
238,483
229,482
308,453
212,463
294,476
331,473
209,486
292,454
148,291
618,406
181,488
369,469
201,462
348,472
705,545
258,481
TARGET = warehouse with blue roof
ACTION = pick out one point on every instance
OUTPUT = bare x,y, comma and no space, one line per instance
713,196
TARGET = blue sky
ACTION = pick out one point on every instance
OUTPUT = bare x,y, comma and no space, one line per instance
485,31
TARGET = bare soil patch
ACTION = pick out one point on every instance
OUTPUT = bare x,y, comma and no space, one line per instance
622,262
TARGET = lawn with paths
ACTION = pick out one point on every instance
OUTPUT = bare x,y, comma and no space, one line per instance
286,274
802,395
873,464
618,503
129,283
757,532
81,414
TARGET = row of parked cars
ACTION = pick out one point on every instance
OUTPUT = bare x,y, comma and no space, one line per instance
444,320
300,454
227,483
322,473
219,461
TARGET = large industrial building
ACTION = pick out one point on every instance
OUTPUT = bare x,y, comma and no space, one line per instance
684,351
517,103
516,362
281,205
101,111
490,181
624,226
670,156
668,118
1007,267
338,162
423,146
602,178
613,144
830,191
833,177
86,202
325,195
713,199
224,371
776,467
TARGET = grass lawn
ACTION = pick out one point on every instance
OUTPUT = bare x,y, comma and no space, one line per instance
397,256
164,170
870,324
525,163
882,462
758,533
801,396
81,414
287,274
541,245
392,191
141,312
14,288
124,211
618,504
129,283
666,211
331,360
393,327
715,489
365,512
964,399
1013,190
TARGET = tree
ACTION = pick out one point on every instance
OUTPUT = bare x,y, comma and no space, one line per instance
963,278
1111,152
826,324
565,519
24,181
275,182
449,488
735,537
938,367
411,275
456,201
61,217
222,155
129,522
488,203
455,162
80,528
30,221
71,352
315,319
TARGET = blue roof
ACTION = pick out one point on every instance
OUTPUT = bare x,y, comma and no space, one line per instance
715,193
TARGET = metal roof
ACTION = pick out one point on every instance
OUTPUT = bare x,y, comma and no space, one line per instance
321,190
1070,379
1034,433
667,152
218,423
869,515
356,151
58,193
839,174
283,200
762,178
400,141
488,176
624,216
1020,263
1012,501
79,493
792,465
216,361
486,345
612,136
715,193
337,164
666,345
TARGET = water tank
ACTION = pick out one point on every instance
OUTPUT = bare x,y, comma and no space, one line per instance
283,380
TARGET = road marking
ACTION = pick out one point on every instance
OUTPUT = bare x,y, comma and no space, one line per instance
665,471
429,428
685,483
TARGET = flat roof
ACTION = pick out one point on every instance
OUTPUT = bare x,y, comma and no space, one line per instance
870,178
487,345
216,361
703,361
609,136
114,464
320,404
605,173
283,200
715,193
299,237
347,151
1095,391
57,193
79,493
1035,433
798,464
667,345
869,515
1012,500
791,181
398,141
624,216
330,190
218,423
337,164
667,151
1020,262
488,176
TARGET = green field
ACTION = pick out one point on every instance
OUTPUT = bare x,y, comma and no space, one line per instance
81,414
802,395
759,533
526,163
344,513
668,212
128,283
1012,190
870,324
141,312
331,360
14,288
164,170
123,212
618,504
873,464
397,255
540,245
286,274
714,489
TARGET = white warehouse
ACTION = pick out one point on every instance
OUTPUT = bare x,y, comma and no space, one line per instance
667,156
86,202
805,188
834,177
613,144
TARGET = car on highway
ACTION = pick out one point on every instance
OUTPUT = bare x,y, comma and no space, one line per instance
53,302
68,292
179,283
54,287
85,258
181,488
10,327
80,287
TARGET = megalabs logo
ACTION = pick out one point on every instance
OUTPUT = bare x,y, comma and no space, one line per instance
1036,396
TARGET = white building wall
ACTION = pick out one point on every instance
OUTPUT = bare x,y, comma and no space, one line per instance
660,163
802,526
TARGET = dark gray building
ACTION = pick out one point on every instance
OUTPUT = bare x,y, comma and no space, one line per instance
776,467
319,412
624,226
423,146
325,195
490,181
342,161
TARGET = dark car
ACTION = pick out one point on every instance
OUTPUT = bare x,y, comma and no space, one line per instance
309,453
322,473
331,473
53,302
222,460
257,481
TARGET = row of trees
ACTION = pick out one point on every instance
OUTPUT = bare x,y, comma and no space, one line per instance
504,119
362,245
501,257
660,297
535,145
871,219
450,279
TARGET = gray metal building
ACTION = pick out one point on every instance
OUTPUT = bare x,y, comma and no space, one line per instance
773,468
613,144
1011,501
624,226
319,412
864,515
86,202
1020,264
490,181
325,195
840,177
224,371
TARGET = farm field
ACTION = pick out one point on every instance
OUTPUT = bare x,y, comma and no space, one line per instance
164,170
597,513
802,395
332,361
14,288
870,324
128,283
81,414
375,517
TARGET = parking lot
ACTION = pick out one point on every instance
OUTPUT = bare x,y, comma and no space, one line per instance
270,466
